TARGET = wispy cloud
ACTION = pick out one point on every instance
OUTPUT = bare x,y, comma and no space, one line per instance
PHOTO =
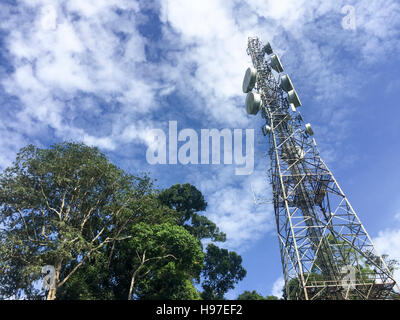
277,287
72,59
239,206
387,242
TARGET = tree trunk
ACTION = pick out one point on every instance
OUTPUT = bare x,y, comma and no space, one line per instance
51,295
131,287
133,280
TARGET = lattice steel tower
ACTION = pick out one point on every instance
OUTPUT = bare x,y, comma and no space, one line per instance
325,250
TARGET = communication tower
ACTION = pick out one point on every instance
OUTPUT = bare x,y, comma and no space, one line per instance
325,250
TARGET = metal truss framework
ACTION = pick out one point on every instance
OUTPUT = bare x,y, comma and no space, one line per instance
320,235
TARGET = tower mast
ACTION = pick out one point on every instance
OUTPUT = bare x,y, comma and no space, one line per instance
325,250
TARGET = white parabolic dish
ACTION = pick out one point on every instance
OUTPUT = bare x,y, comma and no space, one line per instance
286,83
249,80
253,103
294,98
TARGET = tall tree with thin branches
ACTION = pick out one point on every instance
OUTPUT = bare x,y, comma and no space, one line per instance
61,206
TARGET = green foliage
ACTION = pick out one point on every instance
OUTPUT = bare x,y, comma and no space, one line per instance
173,256
187,201
60,206
109,234
254,295
168,282
395,296
221,271
250,295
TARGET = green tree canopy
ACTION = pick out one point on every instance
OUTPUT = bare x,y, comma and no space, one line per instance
59,207
188,201
109,234
250,295
254,295
163,252
222,270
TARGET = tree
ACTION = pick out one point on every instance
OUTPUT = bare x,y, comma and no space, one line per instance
104,277
155,251
61,206
187,201
159,261
254,295
250,295
161,278
221,272
108,234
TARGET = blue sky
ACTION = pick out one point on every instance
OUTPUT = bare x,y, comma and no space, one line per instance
106,72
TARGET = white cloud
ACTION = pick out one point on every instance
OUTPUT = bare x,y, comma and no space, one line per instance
10,142
277,287
65,48
214,47
49,18
232,207
387,242
72,46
